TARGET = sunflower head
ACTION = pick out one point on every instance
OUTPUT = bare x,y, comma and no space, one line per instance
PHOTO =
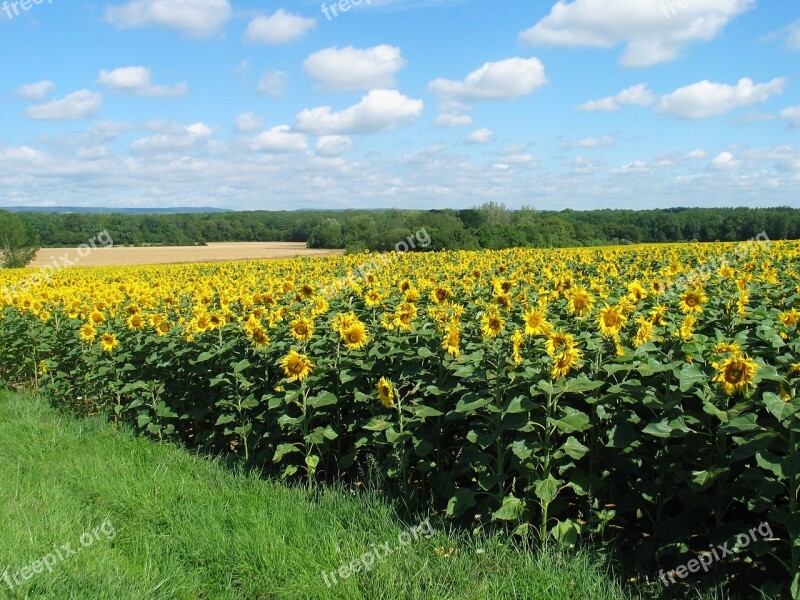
296,366
736,373
386,393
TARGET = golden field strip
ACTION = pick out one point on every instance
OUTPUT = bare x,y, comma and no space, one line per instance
154,255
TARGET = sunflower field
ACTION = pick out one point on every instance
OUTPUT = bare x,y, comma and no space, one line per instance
647,393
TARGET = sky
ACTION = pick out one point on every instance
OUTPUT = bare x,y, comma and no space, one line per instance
256,104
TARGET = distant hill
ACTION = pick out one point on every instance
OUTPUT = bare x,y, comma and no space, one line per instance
109,211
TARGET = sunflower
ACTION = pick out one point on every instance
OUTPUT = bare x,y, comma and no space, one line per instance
536,323
452,338
580,302
736,373
686,330
645,332
355,337
87,332
564,362
108,342
296,366
301,329
692,301
163,328
559,342
440,294
789,319
727,348
517,339
610,321
492,324
404,315
386,393
96,318
259,337
135,322
372,298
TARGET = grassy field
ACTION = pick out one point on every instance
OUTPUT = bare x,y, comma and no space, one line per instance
152,521
158,255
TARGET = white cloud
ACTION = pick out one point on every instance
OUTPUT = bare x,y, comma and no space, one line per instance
790,35
195,18
707,99
510,78
480,136
334,145
590,142
82,104
278,28
139,82
726,160
248,122
176,138
280,139
36,91
791,114
698,154
350,69
653,31
637,95
453,120
272,83
633,168
378,111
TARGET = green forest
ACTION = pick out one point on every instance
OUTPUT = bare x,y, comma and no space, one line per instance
489,226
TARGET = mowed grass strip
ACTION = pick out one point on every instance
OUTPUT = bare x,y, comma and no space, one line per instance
187,528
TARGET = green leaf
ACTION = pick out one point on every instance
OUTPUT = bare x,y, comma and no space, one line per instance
573,421
547,489
224,419
282,450
691,375
511,510
574,449
425,411
324,398
778,408
462,501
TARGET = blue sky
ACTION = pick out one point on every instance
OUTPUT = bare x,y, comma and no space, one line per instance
250,104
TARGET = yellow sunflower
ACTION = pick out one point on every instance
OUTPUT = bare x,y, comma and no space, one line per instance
108,342
452,338
736,373
692,301
259,337
610,321
355,337
296,366
87,332
564,362
301,329
386,393
492,324
536,323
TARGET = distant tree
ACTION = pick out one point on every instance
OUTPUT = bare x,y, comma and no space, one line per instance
18,242
327,234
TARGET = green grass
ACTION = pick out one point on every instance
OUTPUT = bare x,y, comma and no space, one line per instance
186,527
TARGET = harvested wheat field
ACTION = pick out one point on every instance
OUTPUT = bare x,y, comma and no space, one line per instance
214,252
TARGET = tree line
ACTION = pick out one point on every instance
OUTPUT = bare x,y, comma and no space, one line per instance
490,226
